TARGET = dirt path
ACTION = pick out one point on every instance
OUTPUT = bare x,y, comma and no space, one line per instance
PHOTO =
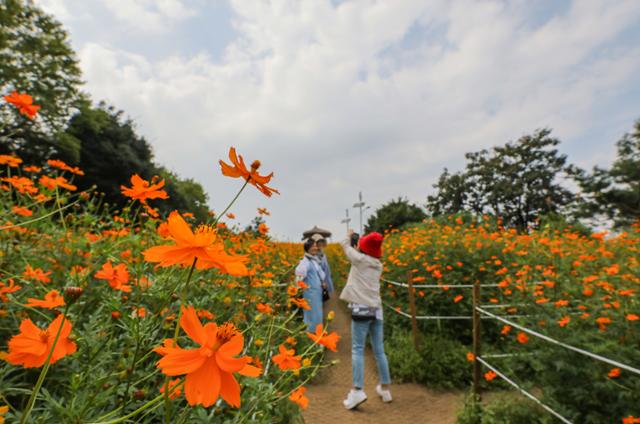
412,403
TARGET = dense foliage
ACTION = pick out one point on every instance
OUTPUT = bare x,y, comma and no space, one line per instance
581,289
615,192
517,182
394,214
63,254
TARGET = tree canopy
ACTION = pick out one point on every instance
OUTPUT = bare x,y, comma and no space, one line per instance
517,182
36,58
615,192
394,214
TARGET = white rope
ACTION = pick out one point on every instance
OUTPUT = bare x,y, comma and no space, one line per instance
425,316
566,346
436,286
509,355
523,391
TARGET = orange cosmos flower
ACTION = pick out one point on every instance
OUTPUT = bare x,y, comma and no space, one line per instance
265,309
490,375
286,359
633,317
239,170
614,373
301,303
56,163
209,368
51,300
458,298
562,322
522,338
3,410
142,190
174,391
31,347
189,246
5,289
21,210
505,329
330,341
118,276
24,103
23,184
231,216
603,322
631,420
263,229
263,211
298,397
11,161
52,183
37,274
471,357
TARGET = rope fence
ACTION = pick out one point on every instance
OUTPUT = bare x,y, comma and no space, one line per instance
564,345
479,312
523,391
435,286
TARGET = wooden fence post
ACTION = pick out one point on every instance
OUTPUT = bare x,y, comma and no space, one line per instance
412,309
476,338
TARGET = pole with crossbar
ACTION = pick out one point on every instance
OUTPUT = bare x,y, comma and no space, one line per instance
346,220
360,205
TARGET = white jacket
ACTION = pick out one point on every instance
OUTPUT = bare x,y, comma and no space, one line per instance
363,284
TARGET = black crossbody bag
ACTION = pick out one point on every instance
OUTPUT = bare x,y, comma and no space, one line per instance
363,313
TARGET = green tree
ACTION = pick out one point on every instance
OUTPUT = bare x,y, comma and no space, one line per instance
393,215
184,195
36,58
107,148
614,193
518,182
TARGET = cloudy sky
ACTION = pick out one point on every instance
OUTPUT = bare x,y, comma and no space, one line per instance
337,97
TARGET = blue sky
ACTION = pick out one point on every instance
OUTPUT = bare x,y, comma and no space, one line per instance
338,97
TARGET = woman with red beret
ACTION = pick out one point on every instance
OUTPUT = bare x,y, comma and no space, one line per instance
362,291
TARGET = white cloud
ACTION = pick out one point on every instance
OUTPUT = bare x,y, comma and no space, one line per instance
149,15
332,99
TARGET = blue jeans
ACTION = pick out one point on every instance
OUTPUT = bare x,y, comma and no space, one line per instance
359,331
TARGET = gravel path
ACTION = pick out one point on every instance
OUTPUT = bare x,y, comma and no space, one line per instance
412,403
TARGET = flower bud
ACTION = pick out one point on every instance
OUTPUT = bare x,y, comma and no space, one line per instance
71,294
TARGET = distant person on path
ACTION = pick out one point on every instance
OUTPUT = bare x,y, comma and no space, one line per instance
327,283
309,270
363,294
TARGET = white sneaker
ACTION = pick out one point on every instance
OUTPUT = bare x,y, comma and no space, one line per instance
384,394
354,398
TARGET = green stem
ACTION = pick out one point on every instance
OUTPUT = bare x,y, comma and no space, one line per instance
183,301
64,224
43,373
231,203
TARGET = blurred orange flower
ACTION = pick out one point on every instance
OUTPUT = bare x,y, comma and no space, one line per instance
239,170
330,341
287,359
298,397
490,375
117,277
142,190
614,373
51,300
522,338
31,347
24,103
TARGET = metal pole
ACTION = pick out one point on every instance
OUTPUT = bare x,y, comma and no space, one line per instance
359,205
347,219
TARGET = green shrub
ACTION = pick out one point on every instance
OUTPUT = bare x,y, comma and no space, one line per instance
440,362
502,411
